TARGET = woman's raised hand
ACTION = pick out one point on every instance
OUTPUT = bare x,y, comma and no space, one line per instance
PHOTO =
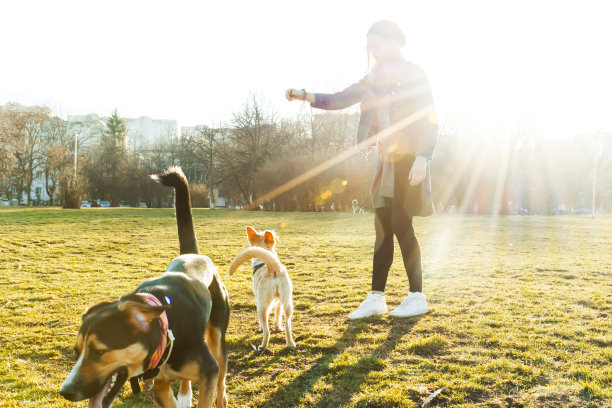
295,94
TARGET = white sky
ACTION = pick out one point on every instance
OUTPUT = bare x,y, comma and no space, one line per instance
198,61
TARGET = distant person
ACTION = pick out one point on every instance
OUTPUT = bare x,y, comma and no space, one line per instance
392,90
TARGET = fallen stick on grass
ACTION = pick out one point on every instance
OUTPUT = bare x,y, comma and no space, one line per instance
432,397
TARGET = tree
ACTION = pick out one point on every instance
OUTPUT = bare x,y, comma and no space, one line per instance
334,132
252,140
604,174
24,131
56,158
202,152
7,158
107,163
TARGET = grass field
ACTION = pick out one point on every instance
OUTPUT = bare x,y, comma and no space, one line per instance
520,307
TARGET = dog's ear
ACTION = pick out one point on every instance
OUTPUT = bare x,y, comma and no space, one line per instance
141,314
93,308
251,234
269,238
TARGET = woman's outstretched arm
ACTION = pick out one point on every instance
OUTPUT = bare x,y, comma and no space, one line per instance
339,100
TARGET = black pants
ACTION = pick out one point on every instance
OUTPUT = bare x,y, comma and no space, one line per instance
395,219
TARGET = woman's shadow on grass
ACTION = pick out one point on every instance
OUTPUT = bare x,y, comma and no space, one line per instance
344,380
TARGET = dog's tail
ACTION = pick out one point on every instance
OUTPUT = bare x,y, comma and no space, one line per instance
174,177
268,257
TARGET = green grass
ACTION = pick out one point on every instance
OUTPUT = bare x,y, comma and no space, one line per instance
520,307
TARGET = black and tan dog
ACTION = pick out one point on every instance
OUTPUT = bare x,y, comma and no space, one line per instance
159,329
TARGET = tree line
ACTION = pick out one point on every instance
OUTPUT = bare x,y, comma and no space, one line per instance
475,170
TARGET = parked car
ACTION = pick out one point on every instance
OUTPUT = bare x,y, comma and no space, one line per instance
85,203
104,203
124,204
142,205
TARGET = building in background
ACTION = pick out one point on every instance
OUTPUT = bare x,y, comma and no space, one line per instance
141,132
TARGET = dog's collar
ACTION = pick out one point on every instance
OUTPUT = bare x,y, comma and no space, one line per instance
257,265
166,334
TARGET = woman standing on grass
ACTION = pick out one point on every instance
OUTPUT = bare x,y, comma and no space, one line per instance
397,116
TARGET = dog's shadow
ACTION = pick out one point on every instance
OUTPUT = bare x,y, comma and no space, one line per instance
342,382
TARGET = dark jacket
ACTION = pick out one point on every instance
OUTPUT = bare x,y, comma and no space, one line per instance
387,96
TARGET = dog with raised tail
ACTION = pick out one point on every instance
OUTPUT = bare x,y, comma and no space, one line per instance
271,283
171,327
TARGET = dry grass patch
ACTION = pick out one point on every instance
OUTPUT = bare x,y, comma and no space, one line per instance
519,315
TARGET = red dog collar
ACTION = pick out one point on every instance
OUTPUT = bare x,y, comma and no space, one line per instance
161,347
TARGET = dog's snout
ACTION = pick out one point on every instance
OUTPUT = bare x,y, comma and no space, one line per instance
68,391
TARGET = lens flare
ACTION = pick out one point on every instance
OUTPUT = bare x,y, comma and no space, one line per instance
407,121
337,186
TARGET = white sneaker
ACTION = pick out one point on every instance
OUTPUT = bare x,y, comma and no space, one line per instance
374,305
414,305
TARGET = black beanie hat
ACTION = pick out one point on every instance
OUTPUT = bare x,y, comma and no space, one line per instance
388,29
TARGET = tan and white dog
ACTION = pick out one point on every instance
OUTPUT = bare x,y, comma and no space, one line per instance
271,283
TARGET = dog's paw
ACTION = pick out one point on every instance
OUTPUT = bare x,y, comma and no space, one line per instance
184,401
262,349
